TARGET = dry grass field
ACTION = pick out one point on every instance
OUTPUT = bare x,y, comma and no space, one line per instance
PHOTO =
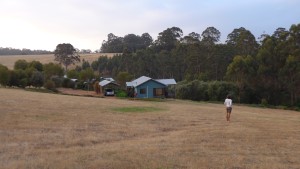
40,130
9,60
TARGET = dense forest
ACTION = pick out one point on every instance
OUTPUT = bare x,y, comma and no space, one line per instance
264,71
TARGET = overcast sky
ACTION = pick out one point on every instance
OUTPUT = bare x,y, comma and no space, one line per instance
43,24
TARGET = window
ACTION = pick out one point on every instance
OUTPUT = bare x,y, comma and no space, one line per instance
143,91
158,92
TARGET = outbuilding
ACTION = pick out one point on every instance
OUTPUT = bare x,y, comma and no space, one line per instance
108,85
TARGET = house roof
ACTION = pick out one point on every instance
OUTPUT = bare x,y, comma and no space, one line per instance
106,82
109,79
129,84
167,81
144,79
138,81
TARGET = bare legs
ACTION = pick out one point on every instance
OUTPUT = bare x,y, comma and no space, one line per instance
228,113
228,116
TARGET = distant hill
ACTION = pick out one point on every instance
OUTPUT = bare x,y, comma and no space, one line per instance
9,60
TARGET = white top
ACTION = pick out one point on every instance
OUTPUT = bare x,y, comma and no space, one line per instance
228,102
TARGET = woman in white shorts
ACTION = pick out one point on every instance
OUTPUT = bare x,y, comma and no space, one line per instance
228,104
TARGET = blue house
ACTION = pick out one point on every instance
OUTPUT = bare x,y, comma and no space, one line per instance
145,87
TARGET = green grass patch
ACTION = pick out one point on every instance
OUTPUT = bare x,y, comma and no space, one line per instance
149,99
137,109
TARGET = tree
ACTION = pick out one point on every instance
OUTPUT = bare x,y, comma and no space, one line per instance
240,71
11,51
211,35
290,75
114,44
66,54
243,41
132,42
271,58
85,65
51,69
73,74
86,74
21,64
36,65
18,78
37,79
146,39
167,39
222,56
124,77
4,75
191,38
294,40
196,61
178,59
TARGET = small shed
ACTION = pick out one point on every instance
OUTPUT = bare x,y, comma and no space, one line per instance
146,87
107,84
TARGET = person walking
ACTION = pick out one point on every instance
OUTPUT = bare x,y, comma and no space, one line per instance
228,104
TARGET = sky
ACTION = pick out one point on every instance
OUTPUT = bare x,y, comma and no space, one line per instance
43,24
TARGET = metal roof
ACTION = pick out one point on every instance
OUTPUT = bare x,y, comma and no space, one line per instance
144,79
167,81
109,79
106,82
138,81
129,84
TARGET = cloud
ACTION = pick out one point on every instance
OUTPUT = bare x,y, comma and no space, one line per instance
85,24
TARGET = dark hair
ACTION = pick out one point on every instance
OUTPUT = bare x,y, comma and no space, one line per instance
228,97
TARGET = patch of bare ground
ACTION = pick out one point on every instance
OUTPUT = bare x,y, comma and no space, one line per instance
39,130
69,91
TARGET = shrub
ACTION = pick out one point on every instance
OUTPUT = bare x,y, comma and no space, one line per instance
57,81
23,82
80,85
264,102
4,75
68,83
37,79
121,93
50,85
204,91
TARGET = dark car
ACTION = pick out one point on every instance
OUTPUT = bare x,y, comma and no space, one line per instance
109,92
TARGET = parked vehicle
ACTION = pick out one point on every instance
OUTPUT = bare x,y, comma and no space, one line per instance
109,92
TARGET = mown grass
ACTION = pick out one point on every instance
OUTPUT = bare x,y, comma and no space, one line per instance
42,130
137,109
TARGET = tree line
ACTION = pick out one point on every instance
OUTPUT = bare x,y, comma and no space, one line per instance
264,70
12,51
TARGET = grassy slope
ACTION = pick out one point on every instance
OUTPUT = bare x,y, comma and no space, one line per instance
39,130
9,60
